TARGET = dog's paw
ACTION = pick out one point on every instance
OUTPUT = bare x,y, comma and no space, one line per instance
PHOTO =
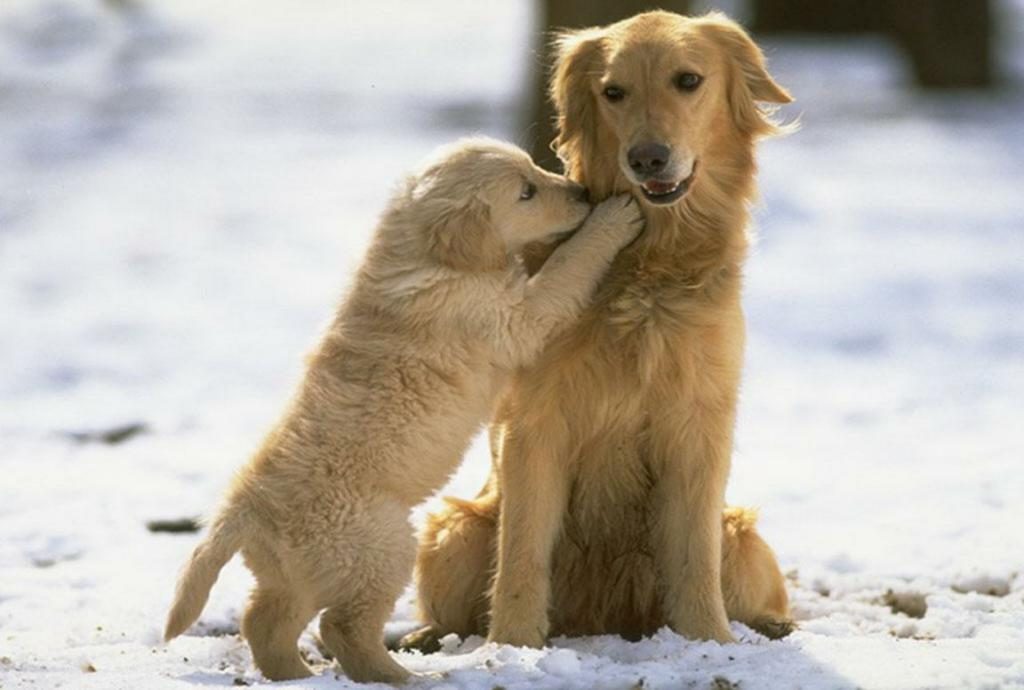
520,630
774,628
722,636
517,635
697,627
426,640
619,215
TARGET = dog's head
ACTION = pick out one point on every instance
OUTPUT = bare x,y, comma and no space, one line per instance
483,200
644,99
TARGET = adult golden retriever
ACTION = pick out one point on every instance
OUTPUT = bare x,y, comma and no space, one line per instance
612,450
408,371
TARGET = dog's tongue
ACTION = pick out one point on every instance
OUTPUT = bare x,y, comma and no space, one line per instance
659,187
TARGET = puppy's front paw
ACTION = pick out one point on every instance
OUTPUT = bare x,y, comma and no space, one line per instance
619,216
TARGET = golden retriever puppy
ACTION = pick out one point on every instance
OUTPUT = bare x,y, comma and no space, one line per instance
615,444
440,314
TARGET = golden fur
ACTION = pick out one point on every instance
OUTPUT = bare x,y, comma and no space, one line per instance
439,316
613,448
458,550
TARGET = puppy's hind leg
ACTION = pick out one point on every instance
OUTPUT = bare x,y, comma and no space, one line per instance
272,624
372,569
353,635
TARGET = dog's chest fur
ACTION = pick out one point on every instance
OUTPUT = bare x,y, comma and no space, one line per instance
654,315
665,332
652,298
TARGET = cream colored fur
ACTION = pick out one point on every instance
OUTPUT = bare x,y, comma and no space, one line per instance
614,446
439,316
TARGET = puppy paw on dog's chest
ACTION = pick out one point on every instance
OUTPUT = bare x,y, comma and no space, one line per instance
620,213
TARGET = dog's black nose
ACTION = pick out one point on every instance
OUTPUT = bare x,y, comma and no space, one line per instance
578,191
647,159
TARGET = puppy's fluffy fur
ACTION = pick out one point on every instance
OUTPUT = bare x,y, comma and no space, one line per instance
439,316
604,510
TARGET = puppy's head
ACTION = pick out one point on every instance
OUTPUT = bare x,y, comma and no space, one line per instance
483,200
655,92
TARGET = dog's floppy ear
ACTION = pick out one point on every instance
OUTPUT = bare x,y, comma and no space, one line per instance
462,237
749,78
578,56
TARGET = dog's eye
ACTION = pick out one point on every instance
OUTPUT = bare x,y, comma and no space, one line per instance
614,94
688,81
529,190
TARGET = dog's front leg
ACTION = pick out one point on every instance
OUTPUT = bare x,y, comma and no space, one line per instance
533,500
691,454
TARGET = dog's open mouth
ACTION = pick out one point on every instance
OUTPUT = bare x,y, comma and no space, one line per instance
664,193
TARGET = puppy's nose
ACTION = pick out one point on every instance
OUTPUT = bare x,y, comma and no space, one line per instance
578,191
648,159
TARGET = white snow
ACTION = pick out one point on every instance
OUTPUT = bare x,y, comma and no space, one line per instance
185,191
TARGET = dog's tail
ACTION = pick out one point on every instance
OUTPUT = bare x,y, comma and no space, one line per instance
199,574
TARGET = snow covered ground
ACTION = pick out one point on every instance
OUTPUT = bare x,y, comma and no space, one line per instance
183,194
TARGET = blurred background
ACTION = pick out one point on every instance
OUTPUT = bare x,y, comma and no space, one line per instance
186,187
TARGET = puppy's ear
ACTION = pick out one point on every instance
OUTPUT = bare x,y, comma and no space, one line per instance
749,78
462,237
579,56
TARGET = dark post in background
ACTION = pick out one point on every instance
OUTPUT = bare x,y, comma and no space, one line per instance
948,42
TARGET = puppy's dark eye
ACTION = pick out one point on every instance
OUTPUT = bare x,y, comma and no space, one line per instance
688,81
529,191
613,93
